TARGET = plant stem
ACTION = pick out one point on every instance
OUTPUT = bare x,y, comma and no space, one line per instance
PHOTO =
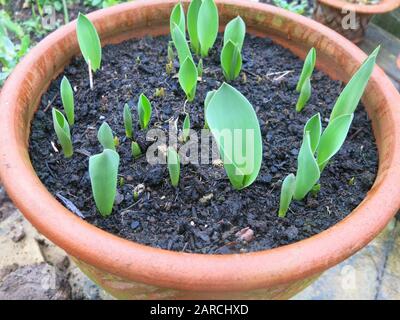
66,15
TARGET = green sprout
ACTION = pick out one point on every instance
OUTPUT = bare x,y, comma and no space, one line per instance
178,18
231,57
207,25
287,191
67,97
103,172
304,85
144,111
89,43
173,162
136,150
192,18
319,147
63,133
186,128
188,78
106,137
128,121
235,127
170,52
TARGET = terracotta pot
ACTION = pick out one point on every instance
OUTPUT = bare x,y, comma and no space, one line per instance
130,270
337,15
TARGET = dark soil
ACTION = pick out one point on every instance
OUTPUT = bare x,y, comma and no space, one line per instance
204,214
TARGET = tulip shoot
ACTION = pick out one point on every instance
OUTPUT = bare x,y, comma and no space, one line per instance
173,162
106,137
67,97
128,121
144,110
63,133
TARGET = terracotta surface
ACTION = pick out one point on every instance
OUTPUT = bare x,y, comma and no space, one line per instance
130,270
329,13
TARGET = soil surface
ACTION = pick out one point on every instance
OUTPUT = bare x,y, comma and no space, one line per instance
204,214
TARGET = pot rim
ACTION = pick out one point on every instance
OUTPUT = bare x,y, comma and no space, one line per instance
188,271
382,7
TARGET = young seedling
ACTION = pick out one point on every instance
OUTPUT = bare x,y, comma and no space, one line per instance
89,43
173,162
327,144
235,127
144,111
67,97
106,137
231,57
103,172
63,133
177,17
304,84
192,18
188,78
128,121
186,128
207,26
136,151
287,191
231,61
170,52
207,100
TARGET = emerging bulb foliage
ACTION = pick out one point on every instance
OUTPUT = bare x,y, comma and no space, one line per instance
128,121
207,25
106,137
103,172
207,100
186,128
235,127
287,191
188,78
319,146
89,43
180,43
144,110
200,68
173,162
231,57
304,84
63,133
136,151
177,17
192,18
67,97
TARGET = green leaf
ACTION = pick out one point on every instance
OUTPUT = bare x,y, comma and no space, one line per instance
287,191
188,78
231,61
144,111
89,42
180,44
235,127
333,138
178,18
173,166
314,127
24,46
186,128
128,121
308,68
200,68
106,137
207,100
136,151
304,96
192,17
207,25
351,94
67,97
235,31
307,169
63,133
103,172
